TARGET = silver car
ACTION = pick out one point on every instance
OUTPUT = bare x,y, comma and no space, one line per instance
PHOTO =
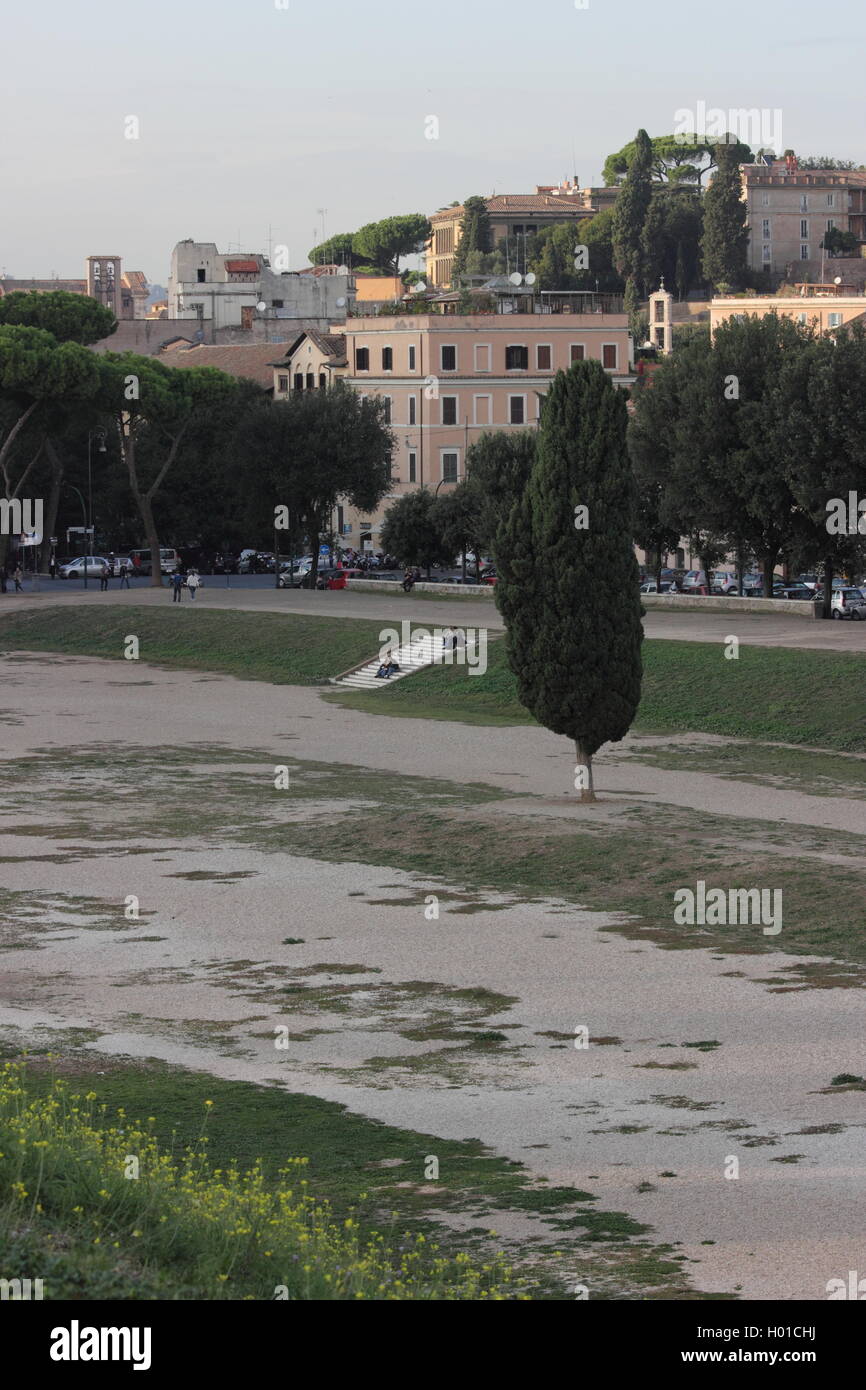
848,603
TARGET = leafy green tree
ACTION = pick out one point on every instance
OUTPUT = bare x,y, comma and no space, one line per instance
674,161
339,250
475,235
70,318
725,238
310,451
411,531
154,411
459,517
498,466
568,578
839,243
553,259
40,379
630,211
386,243
818,419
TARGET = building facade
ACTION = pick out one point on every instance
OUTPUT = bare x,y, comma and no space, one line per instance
232,291
816,306
447,380
513,216
789,210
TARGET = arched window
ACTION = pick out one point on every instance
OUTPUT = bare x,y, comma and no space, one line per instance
299,381
311,381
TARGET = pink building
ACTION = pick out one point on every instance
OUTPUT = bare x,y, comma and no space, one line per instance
449,378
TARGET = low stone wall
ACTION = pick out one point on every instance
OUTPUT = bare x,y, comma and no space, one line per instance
725,603
393,586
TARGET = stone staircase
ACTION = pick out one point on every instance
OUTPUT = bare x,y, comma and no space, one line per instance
410,658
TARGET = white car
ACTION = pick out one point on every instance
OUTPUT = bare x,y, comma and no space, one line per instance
74,569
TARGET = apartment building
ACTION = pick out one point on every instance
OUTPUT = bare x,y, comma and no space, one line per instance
789,210
448,379
514,216
233,291
821,307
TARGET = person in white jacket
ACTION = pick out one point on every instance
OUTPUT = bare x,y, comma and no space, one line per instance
193,580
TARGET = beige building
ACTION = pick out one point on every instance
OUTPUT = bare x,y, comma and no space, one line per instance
790,209
820,307
447,380
512,216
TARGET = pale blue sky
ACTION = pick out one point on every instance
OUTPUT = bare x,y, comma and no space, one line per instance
253,116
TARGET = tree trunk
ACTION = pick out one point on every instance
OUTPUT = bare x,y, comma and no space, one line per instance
146,512
584,773
768,569
53,501
315,534
828,586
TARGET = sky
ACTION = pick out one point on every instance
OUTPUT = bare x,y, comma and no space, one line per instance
258,121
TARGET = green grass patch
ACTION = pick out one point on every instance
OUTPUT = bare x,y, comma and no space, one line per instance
771,694
294,649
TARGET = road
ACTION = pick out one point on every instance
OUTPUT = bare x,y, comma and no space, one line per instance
256,593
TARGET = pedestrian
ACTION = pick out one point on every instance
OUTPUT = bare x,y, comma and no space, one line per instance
18,575
176,586
193,580
124,575
104,575
4,575
52,567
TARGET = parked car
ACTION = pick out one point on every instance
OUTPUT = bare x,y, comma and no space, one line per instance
74,569
848,603
650,586
224,564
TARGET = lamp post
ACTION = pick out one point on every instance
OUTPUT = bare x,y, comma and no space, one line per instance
100,435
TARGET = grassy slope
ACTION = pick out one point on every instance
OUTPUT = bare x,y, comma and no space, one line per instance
809,697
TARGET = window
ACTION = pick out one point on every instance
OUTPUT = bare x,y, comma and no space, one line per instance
448,358
660,337
413,457
765,228
449,410
482,413
386,401
387,359
830,224
766,252
834,321
199,275
577,352
804,202
659,308
449,467
765,200
802,318
278,304
804,228
362,359
299,381
544,357
482,357
831,200
516,358
517,410
311,381
413,410
804,253
609,355
411,357
282,383
323,381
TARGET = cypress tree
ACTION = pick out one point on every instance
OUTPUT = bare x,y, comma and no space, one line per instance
568,585
475,236
630,211
726,234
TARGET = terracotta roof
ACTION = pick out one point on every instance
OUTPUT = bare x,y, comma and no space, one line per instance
333,345
135,280
242,266
253,361
536,202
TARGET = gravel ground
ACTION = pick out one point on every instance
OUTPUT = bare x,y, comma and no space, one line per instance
208,991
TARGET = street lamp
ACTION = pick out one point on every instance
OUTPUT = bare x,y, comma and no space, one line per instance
100,435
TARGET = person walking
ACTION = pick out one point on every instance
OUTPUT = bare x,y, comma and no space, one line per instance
124,575
18,575
104,575
193,580
177,586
